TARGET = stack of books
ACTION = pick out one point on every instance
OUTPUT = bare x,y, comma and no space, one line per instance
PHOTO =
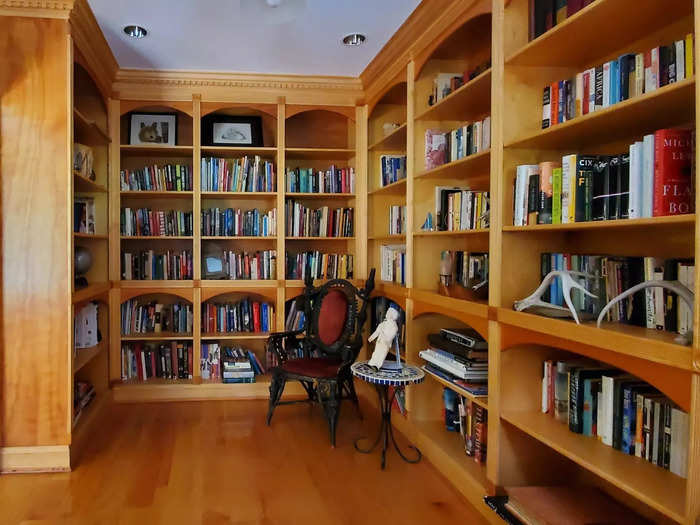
239,365
460,356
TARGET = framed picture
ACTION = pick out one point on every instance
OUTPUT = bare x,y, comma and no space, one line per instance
153,129
230,130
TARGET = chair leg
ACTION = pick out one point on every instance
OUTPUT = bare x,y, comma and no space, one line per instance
329,398
276,389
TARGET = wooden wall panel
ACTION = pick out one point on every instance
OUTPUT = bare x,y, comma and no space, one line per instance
35,135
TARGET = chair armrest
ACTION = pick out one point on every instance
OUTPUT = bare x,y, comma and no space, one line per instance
275,342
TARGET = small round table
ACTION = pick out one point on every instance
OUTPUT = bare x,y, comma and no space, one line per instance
382,379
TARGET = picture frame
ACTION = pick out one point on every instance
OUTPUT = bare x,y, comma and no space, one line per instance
153,129
232,131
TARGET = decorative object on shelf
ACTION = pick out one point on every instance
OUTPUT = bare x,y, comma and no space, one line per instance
390,127
148,129
232,130
385,334
82,261
83,160
382,380
212,261
428,225
535,304
675,286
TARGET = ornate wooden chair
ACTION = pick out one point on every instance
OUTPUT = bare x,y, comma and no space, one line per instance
320,354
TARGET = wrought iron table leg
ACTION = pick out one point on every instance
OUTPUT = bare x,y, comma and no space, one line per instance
386,431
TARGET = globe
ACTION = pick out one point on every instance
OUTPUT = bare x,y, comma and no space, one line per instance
82,260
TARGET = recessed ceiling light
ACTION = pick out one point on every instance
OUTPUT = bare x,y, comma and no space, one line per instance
135,31
354,39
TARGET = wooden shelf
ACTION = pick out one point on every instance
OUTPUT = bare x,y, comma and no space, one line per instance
470,168
395,188
239,238
482,401
320,238
575,43
88,132
266,151
160,336
648,483
90,236
158,194
156,283
160,151
394,141
478,309
85,185
319,153
687,220
387,238
642,343
157,237
451,233
239,194
90,292
667,106
226,336
468,102
84,355
239,284
298,195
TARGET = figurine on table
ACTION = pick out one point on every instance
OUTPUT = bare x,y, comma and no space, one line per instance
384,334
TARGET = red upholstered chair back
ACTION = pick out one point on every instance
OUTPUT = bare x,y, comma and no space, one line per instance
332,316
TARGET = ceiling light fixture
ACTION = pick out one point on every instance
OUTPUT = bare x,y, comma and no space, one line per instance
354,39
273,3
135,31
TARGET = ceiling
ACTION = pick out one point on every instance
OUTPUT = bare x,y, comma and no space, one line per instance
297,37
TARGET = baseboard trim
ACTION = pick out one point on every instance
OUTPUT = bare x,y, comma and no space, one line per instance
142,393
18,460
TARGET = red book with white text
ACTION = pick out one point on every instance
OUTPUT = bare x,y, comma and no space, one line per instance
256,316
672,172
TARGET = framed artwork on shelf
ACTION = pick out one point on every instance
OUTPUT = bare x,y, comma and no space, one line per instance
230,130
148,129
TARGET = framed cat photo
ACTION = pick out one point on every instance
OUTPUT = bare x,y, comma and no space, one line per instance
232,131
153,129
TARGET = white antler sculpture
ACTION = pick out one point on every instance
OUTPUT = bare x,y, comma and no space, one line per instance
567,282
675,286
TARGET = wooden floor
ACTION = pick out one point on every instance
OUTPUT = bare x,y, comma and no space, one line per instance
216,462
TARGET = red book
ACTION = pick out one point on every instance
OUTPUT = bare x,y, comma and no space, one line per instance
256,316
585,99
211,324
153,363
554,102
139,363
173,359
673,157
573,6
190,358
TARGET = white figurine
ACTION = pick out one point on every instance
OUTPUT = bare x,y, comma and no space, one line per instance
384,334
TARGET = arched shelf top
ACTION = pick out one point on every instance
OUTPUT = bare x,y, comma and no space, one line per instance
87,87
150,294
233,295
465,38
346,111
231,108
675,383
479,324
397,298
156,106
395,94
80,61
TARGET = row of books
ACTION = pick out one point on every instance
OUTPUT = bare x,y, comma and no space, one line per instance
397,220
296,316
446,83
656,308
144,361
545,14
246,174
393,169
148,265
621,79
302,221
619,409
332,180
246,315
84,215
392,260
470,270
261,264
654,179
470,420
83,394
169,177
458,208
441,147
154,317
319,265
147,222
230,222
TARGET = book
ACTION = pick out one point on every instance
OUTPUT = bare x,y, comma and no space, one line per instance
672,189
167,177
556,195
544,208
585,166
435,148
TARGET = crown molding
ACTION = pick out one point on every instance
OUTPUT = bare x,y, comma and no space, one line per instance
251,87
36,8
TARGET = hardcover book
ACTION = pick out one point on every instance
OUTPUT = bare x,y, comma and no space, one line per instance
672,172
